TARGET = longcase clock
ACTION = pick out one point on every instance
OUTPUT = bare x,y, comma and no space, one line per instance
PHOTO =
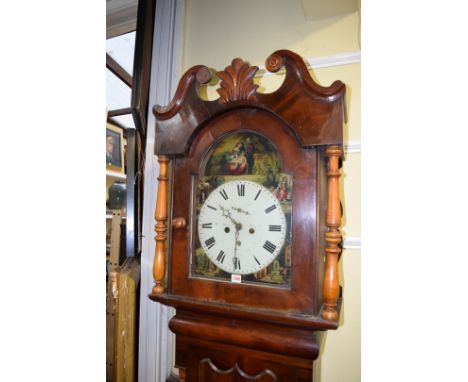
248,215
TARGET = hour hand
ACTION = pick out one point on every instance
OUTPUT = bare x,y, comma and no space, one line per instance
227,214
240,210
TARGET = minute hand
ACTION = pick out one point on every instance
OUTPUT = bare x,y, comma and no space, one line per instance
235,259
238,227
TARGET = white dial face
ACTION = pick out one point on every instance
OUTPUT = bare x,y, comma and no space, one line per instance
241,227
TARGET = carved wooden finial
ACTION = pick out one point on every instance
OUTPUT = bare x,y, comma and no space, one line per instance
237,82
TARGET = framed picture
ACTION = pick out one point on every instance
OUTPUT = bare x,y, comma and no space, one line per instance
114,148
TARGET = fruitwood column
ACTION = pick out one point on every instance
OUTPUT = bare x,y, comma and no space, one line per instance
159,264
331,286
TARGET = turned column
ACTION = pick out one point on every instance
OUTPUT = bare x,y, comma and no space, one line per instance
159,264
331,286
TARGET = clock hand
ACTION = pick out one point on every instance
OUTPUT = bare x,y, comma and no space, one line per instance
234,259
240,210
238,227
227,214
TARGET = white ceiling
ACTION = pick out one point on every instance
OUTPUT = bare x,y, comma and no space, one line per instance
120,16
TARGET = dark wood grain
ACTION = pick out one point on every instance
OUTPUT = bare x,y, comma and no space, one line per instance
245,333
294,320
192,351
315,114
209,372
237,82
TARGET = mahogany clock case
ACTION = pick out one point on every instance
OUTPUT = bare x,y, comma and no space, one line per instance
228,331
302,296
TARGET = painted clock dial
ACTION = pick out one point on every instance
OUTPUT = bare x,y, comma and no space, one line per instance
242,227
242,213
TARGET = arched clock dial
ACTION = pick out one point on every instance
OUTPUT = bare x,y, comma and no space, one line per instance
241,227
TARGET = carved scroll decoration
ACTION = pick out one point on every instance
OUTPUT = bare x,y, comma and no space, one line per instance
159,264
207,369
237,82
331,286
314,113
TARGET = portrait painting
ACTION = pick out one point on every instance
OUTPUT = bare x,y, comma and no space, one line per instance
114,148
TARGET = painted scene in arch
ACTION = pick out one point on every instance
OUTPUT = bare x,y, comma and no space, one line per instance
251,157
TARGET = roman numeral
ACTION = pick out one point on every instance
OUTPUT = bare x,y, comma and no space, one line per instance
241,189
270,247
258,262
271,208
275,228
258,193
237,265
213,208
210,225
210,242
221,257
224,195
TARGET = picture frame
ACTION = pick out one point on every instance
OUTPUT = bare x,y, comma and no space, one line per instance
114,149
